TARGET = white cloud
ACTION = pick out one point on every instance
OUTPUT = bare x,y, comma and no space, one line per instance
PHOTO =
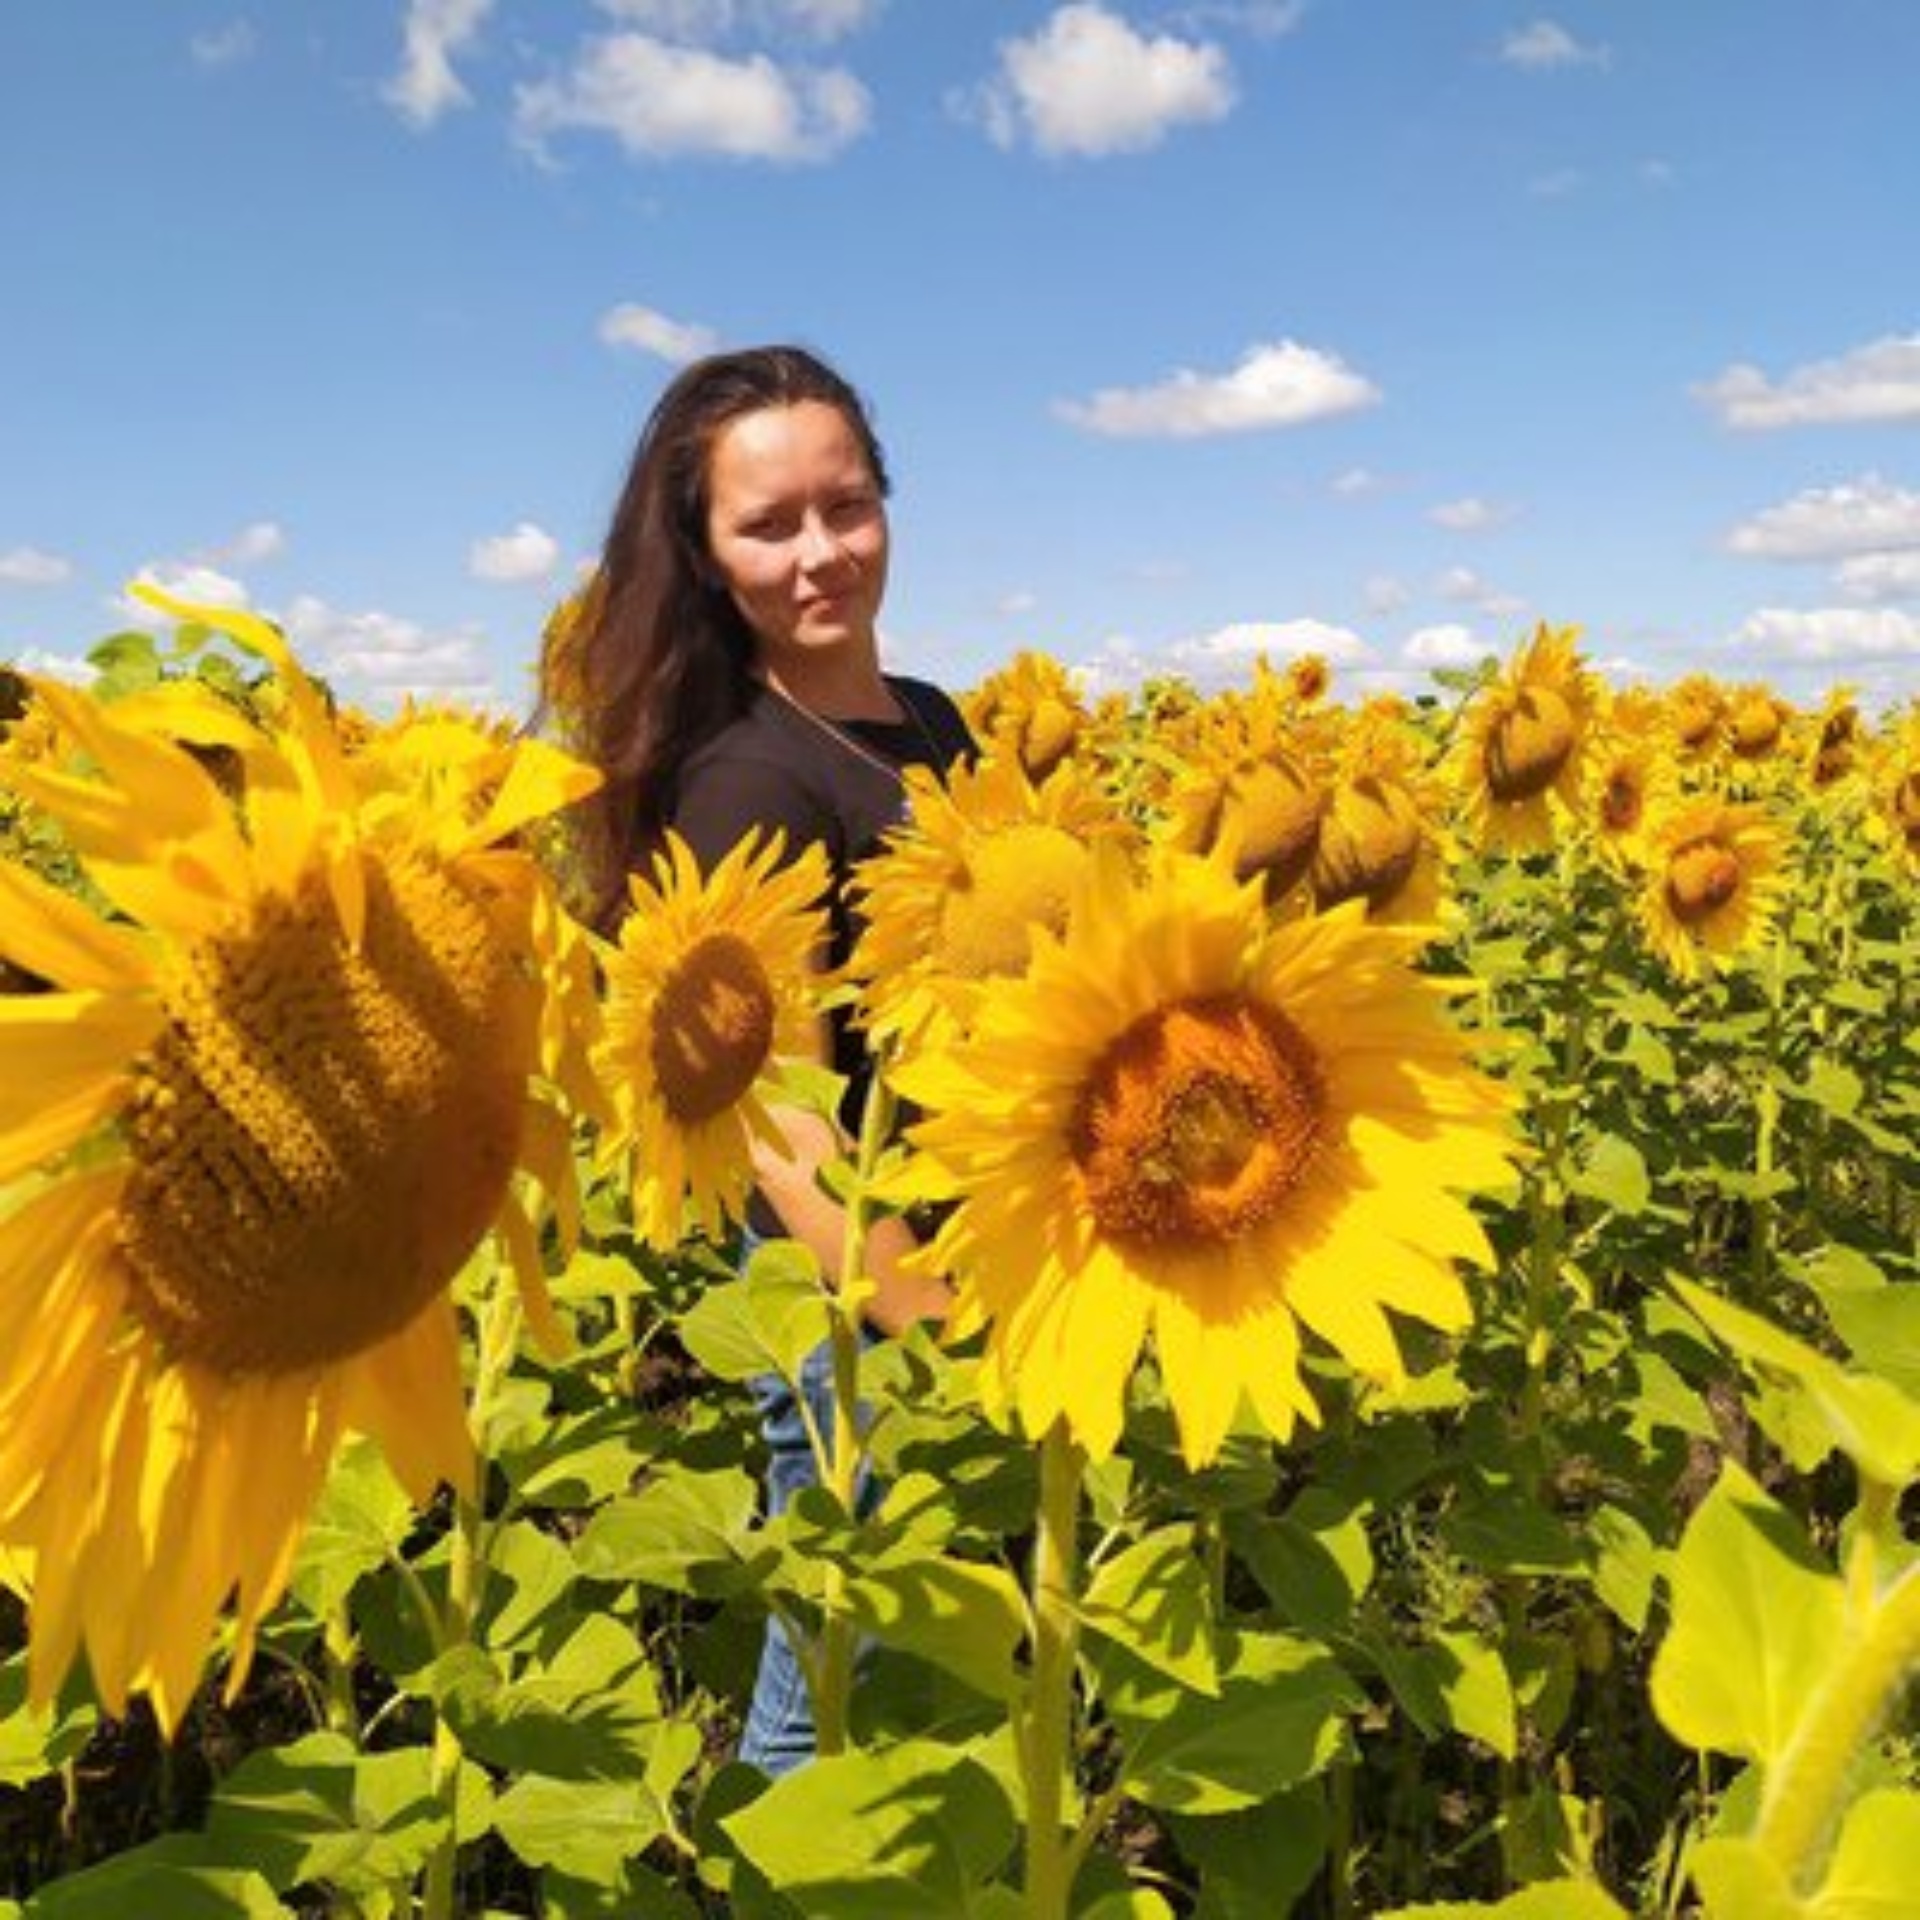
1464,587
190,580
257,541
426,85
1877,382
384,655
1357,482
1868,515
1471,515
1263,19
1830,633
64,667
1382,593
1447,645
1880,576
223,46
1016,604
1281,385
1088,84
649,331
29,567
705,22
1244,641
658,100
527,553
1545,45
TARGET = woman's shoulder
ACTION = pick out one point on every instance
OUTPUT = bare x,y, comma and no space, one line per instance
936,709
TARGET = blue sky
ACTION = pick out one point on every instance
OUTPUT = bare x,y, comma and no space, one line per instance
1380,327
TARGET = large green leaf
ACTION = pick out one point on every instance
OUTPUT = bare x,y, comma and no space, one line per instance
157,1882
965,1616
1254,1864
359,1522
767,1321
1548,1900
915,1829
1153,1600
1873,1873
687,1531
1755,1617
1453,1683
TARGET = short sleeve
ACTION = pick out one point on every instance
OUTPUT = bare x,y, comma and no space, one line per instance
719,802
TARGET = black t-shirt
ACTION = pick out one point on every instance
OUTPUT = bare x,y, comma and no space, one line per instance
773,766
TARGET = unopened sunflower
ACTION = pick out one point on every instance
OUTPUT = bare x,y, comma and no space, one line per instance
1030,709
1712,882
1193,1129
259,1124
710,991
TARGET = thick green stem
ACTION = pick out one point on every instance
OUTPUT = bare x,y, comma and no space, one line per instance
1805,1788
1046,1724
466,1583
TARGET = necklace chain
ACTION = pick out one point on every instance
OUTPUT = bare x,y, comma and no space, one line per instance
842,738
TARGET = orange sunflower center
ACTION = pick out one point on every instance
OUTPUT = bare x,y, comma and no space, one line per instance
1622,801
1012,882
1529,744
322,1133
712,1027
1369,845
1197,1123
1702,877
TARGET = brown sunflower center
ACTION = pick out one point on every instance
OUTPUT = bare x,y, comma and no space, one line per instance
1197,1123
1702,877
712,1027
1622,800
322,1133
1369,845
1906,803
1015,880
1529,745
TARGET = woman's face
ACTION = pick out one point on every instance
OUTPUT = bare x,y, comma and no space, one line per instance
798,530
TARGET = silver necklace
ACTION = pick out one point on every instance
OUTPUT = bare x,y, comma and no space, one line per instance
842,738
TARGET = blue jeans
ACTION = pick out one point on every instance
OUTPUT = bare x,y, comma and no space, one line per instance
779,1733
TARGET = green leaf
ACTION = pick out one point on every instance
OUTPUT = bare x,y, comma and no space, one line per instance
1546,1900
1454,1683
1153,1600
1256,1863
1754,1614
359,1522
965,1616
1881,1326
159,1881
1625,1562
591,1828
529,1575
33,1744
1279,1718
915,1829
1314,1561
1872,1875
319,1810
689,1532
1736,1881
1613,1172
767,1321
542,1724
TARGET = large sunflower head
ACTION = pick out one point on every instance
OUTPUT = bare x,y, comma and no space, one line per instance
275,1098
954,900
1524,744
1195,1130
1713,876
711,989
1263,816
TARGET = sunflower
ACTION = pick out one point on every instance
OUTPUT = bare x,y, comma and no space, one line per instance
1714,876
257,1127
1756,721
1524,744
1696,713
1030,709
1193,1125
710,989
1263,816
955,898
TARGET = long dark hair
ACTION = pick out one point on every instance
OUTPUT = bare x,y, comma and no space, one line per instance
658,658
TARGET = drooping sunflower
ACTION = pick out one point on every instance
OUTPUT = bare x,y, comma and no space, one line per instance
1031,709
1263,816
1192,1127
1523,745
1383,838
261,1120
1714,875
954,900
711,988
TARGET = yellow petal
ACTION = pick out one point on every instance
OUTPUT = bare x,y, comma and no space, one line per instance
541,780
52,934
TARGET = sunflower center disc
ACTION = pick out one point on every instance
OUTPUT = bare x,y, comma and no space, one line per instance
1197,1123
322,1134
1701,879
1620,803
1369,846
712,1027
1755,728
1016,880
1529,745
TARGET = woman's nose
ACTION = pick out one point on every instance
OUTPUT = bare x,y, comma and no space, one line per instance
820,546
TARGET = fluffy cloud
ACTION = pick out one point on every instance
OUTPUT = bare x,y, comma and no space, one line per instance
1877,382
29,567
1471,515
1088,84
223,46
648,331
426,85
1464,587
706,21
1545,45
1868,515
1880,576
384,657
1830,633
1447,645
257,541
1282,385
659,100
527,553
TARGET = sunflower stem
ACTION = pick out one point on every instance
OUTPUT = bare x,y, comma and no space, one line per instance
1046,1725
499,1339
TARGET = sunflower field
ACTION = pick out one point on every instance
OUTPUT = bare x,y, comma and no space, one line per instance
1428,1422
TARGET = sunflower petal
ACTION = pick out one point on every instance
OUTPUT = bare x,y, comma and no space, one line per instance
52,934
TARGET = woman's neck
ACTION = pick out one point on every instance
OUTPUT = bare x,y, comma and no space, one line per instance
838,689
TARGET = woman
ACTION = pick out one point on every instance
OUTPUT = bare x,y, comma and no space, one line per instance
729,678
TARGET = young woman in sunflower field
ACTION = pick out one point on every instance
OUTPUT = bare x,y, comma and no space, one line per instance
729,682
